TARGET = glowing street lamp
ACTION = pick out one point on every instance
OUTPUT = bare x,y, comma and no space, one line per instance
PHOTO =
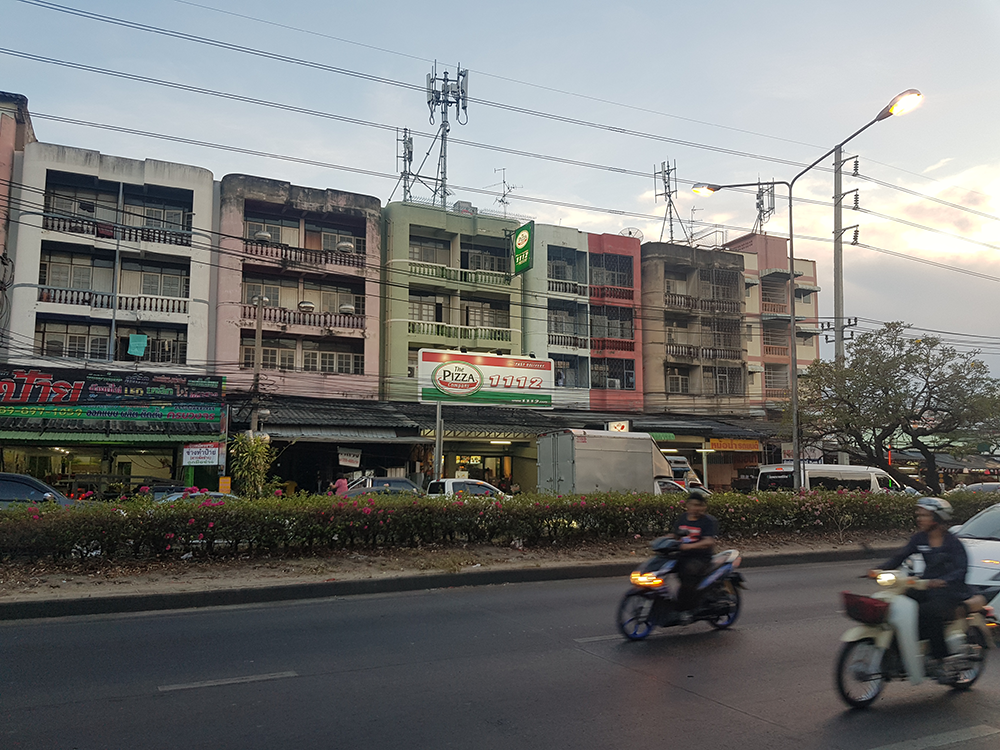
904,102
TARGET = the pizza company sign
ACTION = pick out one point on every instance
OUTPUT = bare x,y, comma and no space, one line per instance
473,378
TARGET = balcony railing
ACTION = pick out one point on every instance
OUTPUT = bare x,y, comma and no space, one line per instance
110,231
681,350
777,393
720,305
106,300
780,308
563,339
288,255
680,301
283,316
461,333
614,345
771,350
721,353
567,287
610,292
463,275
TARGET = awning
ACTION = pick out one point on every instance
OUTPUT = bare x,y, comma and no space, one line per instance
320,434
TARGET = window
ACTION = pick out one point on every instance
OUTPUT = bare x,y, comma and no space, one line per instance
723,381
156,280
66,270
611,323
570,372
485,314
427,250
256,287
611,270
485,258
326,238
162,345
674,283
426,307
282,231
71,340
275,353
723,334
562,264
411,364
720,283
616,374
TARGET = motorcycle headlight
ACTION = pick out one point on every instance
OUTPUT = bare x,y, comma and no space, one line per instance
645,579
886,578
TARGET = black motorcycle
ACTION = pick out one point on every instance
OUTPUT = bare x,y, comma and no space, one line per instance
652,600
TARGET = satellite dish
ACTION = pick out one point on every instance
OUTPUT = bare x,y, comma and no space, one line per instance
632,232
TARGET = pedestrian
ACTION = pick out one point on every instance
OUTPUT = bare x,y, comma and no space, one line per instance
340,486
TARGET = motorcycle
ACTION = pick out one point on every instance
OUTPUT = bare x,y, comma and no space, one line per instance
885,646
652,600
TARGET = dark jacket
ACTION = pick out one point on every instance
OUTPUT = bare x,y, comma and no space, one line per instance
947,562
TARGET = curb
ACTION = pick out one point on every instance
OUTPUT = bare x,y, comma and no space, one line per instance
301,591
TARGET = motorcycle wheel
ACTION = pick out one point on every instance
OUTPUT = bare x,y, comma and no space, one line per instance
976,644
857,683
731,594
634,616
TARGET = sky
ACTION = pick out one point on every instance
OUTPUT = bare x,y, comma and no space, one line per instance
728,92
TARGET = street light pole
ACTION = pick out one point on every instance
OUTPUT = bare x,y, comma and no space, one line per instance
258,354
900,104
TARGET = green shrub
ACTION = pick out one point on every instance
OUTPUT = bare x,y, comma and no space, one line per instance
303,523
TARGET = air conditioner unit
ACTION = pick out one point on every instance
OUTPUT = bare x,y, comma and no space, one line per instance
614,383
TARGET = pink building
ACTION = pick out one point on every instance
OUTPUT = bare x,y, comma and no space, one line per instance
313,255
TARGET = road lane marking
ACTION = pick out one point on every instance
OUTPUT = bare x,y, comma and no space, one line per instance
943,739
596,638
228,681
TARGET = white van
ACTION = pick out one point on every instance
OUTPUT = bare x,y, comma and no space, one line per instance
826,477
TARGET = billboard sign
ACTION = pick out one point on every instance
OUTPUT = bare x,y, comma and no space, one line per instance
524,248
201,454
484,379
22,385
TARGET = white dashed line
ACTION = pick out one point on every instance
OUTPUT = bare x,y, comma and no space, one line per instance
228,681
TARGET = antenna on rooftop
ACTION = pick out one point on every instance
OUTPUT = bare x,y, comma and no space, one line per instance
446,92
507,189
668,181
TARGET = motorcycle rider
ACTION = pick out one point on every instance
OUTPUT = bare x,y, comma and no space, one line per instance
697,531
945,564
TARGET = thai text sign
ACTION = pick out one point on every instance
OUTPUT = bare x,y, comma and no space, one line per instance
349,457
524,248
477,379
733,444
149,412
201,454
29,386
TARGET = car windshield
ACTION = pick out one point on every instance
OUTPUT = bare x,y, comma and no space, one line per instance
984,526
777,481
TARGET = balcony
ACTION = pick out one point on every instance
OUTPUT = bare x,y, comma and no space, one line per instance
611,292
564,339
461,275
680,302
283,317
568,287
777,394
458,333
103,230
774,308
106,300
296,256
685,351
721,353
613,345
721,306
774,350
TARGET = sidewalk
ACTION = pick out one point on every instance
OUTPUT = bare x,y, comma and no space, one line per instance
217,591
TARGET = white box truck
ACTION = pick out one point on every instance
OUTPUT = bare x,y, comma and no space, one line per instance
572,462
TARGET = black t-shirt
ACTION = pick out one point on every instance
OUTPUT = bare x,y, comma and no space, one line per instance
689,531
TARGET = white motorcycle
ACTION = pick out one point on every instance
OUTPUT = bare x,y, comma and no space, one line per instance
885,646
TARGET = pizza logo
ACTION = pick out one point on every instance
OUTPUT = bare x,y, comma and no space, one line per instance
457,378
522,239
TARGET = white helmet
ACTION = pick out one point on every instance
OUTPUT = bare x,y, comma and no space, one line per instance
941,509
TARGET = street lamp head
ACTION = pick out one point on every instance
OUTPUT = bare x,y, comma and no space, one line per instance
705,188
258,300
901,104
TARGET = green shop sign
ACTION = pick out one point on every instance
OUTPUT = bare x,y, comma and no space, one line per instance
149,412
524,248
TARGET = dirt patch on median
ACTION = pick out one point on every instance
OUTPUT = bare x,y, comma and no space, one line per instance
41,580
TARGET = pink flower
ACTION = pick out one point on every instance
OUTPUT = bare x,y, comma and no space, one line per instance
168,546
366,511
279,493
169,535
144,488
211,524
201,536
35,517
191,521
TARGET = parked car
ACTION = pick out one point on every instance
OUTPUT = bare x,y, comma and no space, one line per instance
18,489
388,484
977,487
173,497
669,485
476,487
386,489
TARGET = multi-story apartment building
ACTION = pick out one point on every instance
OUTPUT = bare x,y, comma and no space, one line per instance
767,317
694,344
312,257
448,284
109,249
582,310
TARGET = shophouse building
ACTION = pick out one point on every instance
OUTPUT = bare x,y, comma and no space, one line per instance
112,263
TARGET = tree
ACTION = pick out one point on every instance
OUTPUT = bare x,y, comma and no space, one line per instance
250,459
895,391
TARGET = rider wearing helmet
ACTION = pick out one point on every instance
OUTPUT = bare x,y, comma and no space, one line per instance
945,565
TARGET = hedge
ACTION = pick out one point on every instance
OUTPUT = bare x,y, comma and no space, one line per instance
303,523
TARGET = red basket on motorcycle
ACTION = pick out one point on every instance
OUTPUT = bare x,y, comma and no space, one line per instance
865,609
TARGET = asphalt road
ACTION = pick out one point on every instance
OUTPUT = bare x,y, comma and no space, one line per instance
535,665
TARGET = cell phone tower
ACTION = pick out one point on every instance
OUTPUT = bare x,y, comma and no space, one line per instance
446,92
